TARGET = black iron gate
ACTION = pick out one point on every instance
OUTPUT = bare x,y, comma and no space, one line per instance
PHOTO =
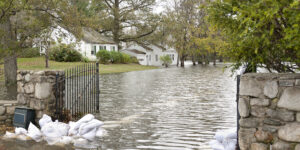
238,78
77,92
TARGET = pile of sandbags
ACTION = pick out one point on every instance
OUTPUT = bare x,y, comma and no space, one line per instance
85,130
225,140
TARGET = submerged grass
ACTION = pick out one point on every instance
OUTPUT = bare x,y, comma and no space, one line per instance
38,63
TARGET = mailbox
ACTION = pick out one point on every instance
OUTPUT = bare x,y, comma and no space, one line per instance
23,116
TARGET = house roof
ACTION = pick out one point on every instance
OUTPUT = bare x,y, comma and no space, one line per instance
135,51
92,36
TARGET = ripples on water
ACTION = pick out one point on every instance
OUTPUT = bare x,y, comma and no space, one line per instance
165,109
178,108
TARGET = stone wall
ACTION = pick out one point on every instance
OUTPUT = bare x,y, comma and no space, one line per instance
269,105
7,109
36,90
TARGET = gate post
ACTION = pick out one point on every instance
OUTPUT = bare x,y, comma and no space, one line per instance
97,88
56,113
237,108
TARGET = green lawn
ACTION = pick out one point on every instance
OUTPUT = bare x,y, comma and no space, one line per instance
39,64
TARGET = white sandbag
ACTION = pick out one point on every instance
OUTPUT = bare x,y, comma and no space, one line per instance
86,118
52,140
55,129
20,131
87,127
44,120
75,127
66,140
216,145
221,135
34,133
91,135
231,134
23,137
229,144
72,130
101,132
9,135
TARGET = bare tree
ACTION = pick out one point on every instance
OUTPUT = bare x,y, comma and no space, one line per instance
121,16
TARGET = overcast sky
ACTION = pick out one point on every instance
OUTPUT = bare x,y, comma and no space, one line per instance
161,5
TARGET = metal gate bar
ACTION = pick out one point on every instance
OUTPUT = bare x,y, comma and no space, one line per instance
238,78
77,92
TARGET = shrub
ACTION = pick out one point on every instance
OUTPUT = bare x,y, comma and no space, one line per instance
166,59
103,56
30,52
65,53
134,60
116,57
85,59
126,58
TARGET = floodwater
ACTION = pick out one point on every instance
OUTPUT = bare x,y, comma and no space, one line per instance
163,109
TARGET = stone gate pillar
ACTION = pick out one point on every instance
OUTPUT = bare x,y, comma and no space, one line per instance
36,90
269,105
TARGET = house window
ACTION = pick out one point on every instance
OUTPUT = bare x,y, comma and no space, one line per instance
94,50
112,48
149,57
173,57
156,57
102,47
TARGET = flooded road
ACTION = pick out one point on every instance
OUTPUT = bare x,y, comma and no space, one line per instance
174,108
165,109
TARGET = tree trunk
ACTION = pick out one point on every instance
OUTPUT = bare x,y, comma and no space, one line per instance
194,61
116,24
10,70
10,61
215,58
221,59
182,61
200,62
206,60
178,60
47,54
46,59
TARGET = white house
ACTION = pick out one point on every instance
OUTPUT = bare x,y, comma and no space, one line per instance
150,55
88,46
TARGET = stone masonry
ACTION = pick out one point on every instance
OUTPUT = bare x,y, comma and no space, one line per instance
36,90
269,105
7,109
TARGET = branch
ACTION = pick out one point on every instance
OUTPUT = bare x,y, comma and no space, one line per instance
143,45
4,11
107,3
46,11
137,37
